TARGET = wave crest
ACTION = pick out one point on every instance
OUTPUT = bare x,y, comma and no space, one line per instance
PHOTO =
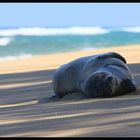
5,41
132,29
35,31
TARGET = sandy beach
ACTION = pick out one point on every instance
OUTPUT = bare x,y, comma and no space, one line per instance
25,82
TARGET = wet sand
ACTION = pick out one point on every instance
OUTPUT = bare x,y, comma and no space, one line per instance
24,83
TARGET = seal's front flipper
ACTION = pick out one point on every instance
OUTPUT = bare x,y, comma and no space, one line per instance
111,55
117,55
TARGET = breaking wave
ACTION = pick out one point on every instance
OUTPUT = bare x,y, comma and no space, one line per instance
132,29
5,41
35,31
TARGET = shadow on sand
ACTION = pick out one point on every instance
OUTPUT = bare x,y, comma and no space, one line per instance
22,115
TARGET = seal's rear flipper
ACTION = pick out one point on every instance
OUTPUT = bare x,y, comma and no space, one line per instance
50,99
54,97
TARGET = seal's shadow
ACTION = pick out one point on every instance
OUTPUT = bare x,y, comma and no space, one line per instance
75,96
79,96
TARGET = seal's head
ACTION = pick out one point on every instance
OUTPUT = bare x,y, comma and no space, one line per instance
101,84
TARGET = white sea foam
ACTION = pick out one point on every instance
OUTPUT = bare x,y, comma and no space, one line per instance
36,31
9,58
132,29
5,41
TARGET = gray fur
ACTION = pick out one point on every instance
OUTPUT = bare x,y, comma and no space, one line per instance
102,75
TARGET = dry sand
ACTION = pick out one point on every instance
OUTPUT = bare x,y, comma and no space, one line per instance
25,82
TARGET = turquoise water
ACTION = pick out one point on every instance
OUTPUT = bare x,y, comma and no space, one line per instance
18,43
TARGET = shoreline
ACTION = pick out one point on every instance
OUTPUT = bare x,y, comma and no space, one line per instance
53,61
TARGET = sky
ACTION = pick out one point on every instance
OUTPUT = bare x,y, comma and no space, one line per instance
69,14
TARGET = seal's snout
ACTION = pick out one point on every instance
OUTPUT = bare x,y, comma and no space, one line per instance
100,84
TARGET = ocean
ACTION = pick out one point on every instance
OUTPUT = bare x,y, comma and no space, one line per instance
21,42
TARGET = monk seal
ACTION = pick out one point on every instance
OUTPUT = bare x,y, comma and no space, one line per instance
101,75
